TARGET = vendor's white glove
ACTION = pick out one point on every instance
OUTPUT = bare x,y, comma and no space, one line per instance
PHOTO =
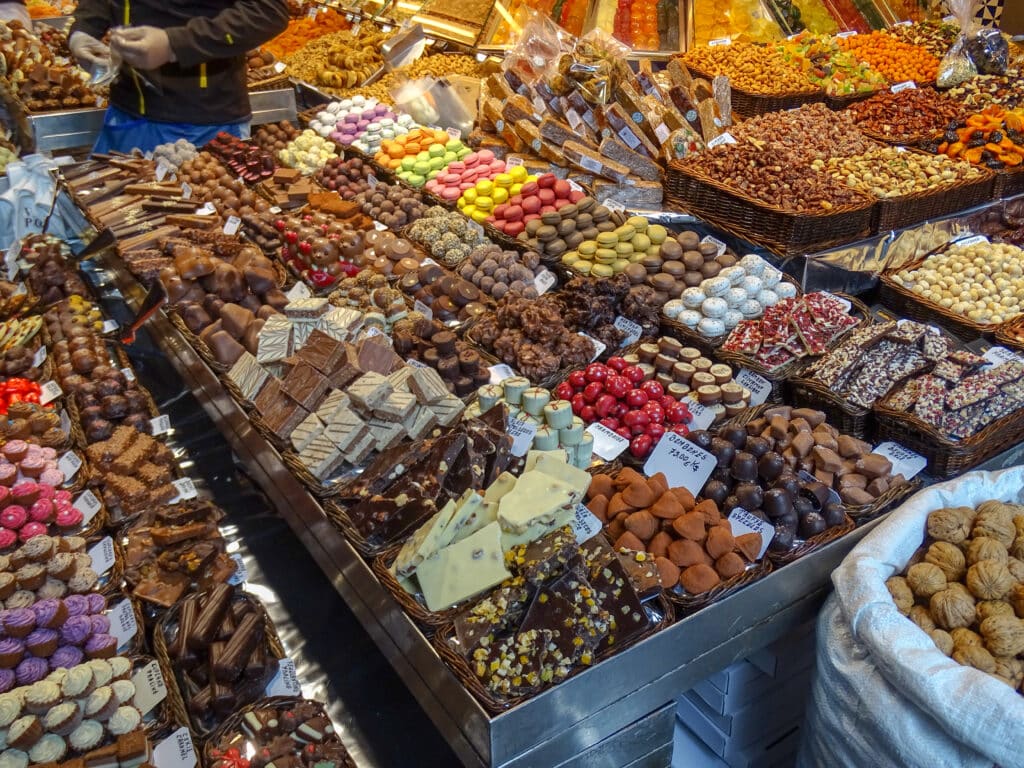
90,53
143,47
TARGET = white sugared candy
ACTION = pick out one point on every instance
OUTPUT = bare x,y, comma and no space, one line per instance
767,298
771,277
753,264
693,297
711,326
734,297
732,318
715,286
673,308
714,307
751,309
734,274
785,290
689,318
752,285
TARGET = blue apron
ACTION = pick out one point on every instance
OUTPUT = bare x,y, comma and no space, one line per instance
123,132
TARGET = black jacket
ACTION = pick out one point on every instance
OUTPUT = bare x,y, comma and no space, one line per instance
207,85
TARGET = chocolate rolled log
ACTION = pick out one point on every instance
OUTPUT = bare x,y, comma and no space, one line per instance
229,665
179,650
200,704
210,617
256,664
223,698
227,627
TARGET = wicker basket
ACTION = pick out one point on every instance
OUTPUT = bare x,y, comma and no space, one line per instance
445,643
236,393
787,232
904,211
1008,183
839,102
429,621
338,515
686,604
746,104
196,343
812,544
316,486
1011,334
274,83
883,503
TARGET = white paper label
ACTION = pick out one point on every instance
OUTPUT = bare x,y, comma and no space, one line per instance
759,386
573,186
584,524
102,555
909,85
976,240
661,133
274,209
685,464
88,505
999,355
722,138
608,444
109,326
150,690
11,262
743,522
522,434
703,417
69,464
161,425
122,622
299,291
241,574
427,312
630,138
543,281
454,134
186,490
176,751
722,247
206,210
162,169
599,347
385,28
632,330
904,461
286,681
311,14
279,67
410,362
574,118
949,19
50,391
500,372
65,422
719,41
231,225
428,261
513,162
356,27
129,374
371,180
614,205
186,191
905,23
847,33
39,357
590,164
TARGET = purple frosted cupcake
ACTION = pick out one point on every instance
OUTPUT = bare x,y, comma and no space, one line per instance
77,605
42,642
97,602
31,670
66,656
7,680
76,630
100,623
12,651
50,614
101,646
19,622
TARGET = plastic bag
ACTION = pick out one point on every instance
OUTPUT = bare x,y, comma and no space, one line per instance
989,51
957,66
590,67
538,49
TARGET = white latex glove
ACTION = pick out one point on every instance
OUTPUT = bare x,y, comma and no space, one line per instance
143,47
90,53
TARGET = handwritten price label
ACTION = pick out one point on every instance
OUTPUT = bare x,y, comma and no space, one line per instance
279,67
522,433
109,326
186,191
513,162
999,355
743,522
149,687
976,240
122,623
39,357
102,555
69,464
241,574
904,461
129,374
759,386
614,206
162,169
412,361
500,372
719,41
685,464
88,505
632,330
186,490
231,225
50,391
584,524
543,281
720,139
608,444
703,417
160,425
286,681
715,241
454,134
599,346
427,312
176,751
909,85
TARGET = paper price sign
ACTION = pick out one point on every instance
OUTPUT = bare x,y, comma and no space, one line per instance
1000,355
522,433
584,524
186,191
149,686
122,622
279,67
608,444
685,464
411,361
231,225
69,464
102,555
65,422
909,85
599,346
904,461
632,330
719,41
161,425
109,326
501,372
703,417
50,391
574,118
426,311
720,139
454,134
39,357
299,291
759,386
371,180
286,681
847,33
176,751
716,242
614,206
513,162
206,210
574,187
162,170
976,240
88,505
186,490
129,374
743,522
543,281
241,574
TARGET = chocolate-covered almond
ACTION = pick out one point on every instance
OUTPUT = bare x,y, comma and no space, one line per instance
744,467
735,435
716,491
724,451
702,438
749,495
817,493
770,466
811,525
777,502
834,514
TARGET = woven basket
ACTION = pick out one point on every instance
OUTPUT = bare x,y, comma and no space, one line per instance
274,83
338,515
429,621
883,503
840,102
236,393
445,643
196,343
907,210
1011,334
686,604
787,232
1008,183
814,543
316,486
746,104
161,636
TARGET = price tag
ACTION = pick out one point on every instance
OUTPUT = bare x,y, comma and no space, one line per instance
743,522
411,361
231,225
632,330
286,681
599,347
241,574
454,134
905,23
102,555
703,417
279,67
50,391
608,444
972,241
904,461
574,118
299,291
311,14
69,464
206,210
162,169
584,524
539,105
909,85
419,306
39,357
150,688
186,191
574,187
385,28
661,133
513,162
500,372
186,490
371,180
722,247
999,355
356,27
122,622
11,263
543,281
274,209
522,433
807,477
161,425
722,138
65,422
88,505
719,41
109,326
614,206
176,751
949,19
759,386
685,464
129,374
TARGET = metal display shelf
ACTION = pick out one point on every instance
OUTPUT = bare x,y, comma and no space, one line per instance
610,714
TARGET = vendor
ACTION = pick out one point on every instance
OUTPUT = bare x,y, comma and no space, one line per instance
186,66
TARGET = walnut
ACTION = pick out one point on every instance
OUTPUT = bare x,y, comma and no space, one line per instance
1010,668
925,579
989,580
1016,599
1018,523
948,524
987,608
942,641
996,523
964,637
920,616
985,548
975,656
1017,548
1004,635
949,558
901,594
952,608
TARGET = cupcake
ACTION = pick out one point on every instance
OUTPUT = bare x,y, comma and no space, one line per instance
84,580
78,682
63,718
62,565
76,630
7,585
42,511
30,530
49,749
124,690
75,543
97,602
57,676
100,623
10,710
7,680
33,466
5,496
13,517
31,576
46,492
52,477
23,598
53,589
120,667
53,437
24,732
50,614
41,696
40,549
26,494
124,720
77,605
101,703
12,651
15,450
31,670
86,736
66,656
13,758
101,647
42,642
18,622
8,538
102,673
68,516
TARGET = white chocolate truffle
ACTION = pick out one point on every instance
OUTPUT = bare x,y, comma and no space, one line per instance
711,326
785,290
714,307
734,297
672,308
733,274
715,286
692,298
752,285
771,277
768,298
753,264
732,318
689,318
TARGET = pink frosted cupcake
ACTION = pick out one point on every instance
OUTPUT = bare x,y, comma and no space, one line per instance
5,496
42,511
61,496
26,494
52,477
13,517
32,466
47,492
31,530
15,450
68,517
8,538
50,454
8,474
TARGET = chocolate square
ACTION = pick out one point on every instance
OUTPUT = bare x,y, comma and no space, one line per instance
322,352
305,385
